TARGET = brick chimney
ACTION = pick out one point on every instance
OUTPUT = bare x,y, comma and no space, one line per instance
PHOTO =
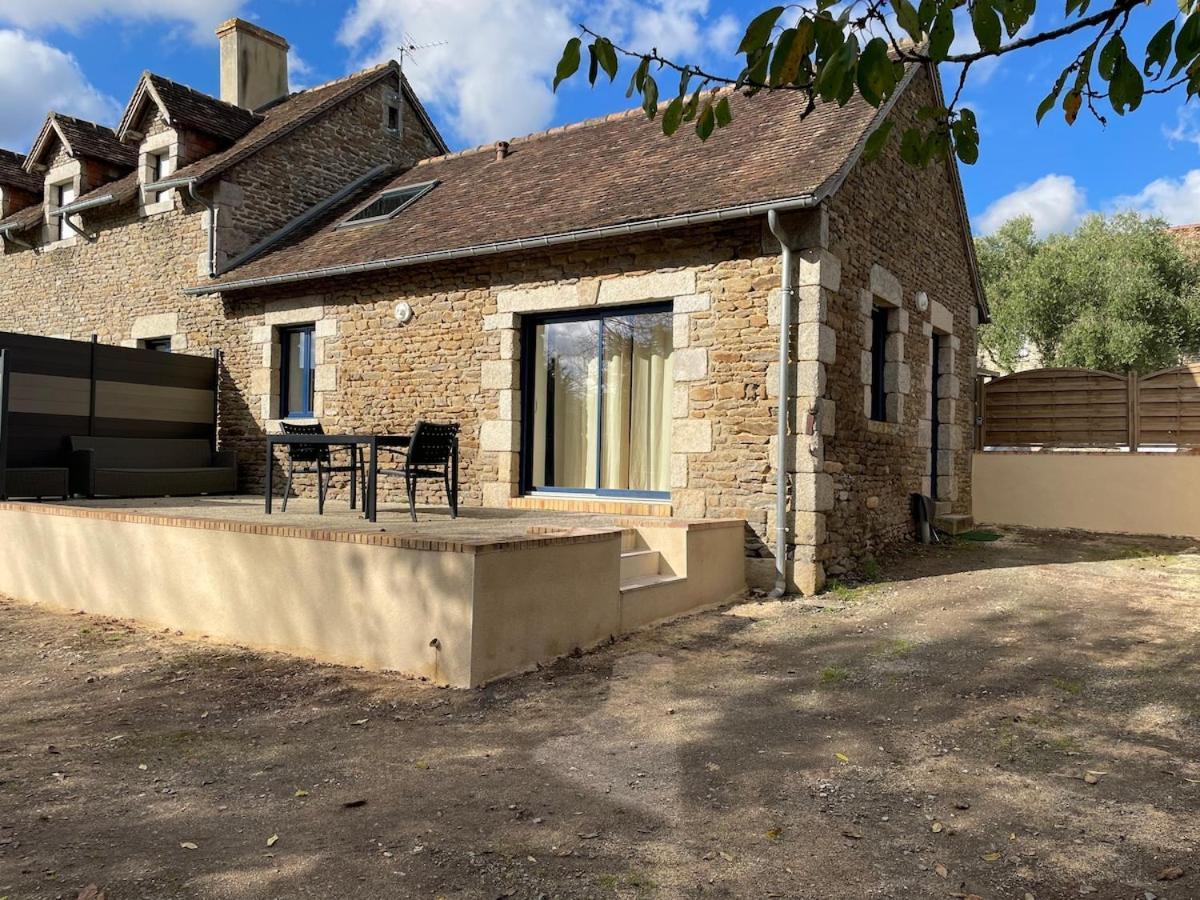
253,65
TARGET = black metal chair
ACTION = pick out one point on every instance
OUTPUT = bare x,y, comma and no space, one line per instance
317,459
432,453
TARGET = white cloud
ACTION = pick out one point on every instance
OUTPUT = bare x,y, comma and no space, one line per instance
1185,130
493,78
38,78
1175,199
1054,202
202,15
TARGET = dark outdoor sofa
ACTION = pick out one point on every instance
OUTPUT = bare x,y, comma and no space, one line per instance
39,482
150,467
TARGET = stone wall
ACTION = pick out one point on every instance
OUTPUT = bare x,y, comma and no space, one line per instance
459,359
896,231
311,164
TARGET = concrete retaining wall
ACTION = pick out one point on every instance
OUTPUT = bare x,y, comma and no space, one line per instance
1129,493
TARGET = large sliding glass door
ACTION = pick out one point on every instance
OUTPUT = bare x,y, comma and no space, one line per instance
598,402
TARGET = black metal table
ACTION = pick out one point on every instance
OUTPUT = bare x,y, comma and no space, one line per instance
371,441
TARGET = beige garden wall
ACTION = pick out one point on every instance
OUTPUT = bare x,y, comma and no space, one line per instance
1130,493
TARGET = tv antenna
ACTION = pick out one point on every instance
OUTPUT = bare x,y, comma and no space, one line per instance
408,48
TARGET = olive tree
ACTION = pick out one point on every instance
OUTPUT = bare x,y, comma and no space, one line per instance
1117,294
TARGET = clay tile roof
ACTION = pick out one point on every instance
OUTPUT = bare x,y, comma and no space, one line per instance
607,172
13,174
122,190
94,141
188,108
24,219
292,113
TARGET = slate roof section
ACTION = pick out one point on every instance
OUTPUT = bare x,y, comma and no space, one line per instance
13,174
597,174
86,139
24,219
190,109
295,112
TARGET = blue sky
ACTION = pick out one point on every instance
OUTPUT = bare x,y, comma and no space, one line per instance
491,80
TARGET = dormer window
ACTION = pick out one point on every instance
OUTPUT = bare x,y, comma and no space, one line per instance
160,168
61,195
389,204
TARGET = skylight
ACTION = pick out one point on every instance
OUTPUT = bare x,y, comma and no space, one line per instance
390,204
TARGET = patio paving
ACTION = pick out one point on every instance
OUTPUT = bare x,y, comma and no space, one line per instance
473,523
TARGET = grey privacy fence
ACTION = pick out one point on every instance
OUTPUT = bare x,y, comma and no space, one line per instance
52,390
1086,408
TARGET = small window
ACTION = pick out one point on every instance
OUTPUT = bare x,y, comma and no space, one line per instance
160,168
390,203
160,344
393,114
879,333
60,196
296,381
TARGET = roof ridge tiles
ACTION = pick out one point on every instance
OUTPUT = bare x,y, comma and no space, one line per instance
619,115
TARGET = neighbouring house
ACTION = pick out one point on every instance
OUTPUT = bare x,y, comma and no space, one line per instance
598,305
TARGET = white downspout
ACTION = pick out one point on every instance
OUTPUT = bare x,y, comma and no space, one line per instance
212,226
786,291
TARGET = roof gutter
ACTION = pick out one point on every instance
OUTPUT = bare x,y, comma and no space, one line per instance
82,205
724,214
7,233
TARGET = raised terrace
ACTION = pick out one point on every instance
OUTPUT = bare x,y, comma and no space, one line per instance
459,601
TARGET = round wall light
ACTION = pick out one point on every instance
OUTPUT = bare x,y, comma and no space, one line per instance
922,301
404,313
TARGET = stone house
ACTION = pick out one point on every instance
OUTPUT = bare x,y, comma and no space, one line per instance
598,305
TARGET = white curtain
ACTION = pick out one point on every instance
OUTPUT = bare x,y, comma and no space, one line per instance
637,412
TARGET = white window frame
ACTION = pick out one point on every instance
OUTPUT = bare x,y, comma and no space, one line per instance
158,158
59,191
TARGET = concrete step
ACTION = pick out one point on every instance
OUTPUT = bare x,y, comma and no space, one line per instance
943,508
631,540
633,585
639,564
955,524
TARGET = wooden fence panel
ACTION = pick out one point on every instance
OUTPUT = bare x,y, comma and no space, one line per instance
1169,407
1056,408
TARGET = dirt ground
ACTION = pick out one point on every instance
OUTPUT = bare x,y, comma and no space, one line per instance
1007,719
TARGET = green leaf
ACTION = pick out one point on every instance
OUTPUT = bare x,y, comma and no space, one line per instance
1016,14
685,78
877,140
1187,43
779,59
569,64
706,121
593,65
607,57
908,18
650,97
759,30
722,112
875,75
639,77
1051,98
1113,50
1126,87
755,73
831,78
672,116
926,11
1158,51
986,24
941,35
